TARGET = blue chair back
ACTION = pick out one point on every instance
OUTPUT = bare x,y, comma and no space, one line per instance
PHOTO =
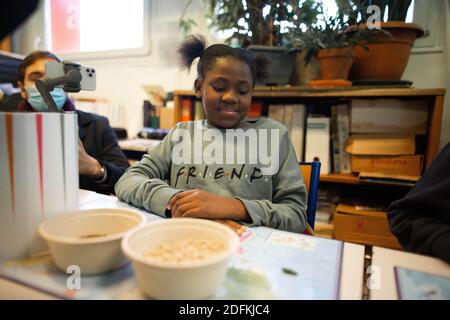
311,175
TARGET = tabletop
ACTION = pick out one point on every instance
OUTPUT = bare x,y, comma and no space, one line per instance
350,267
385,281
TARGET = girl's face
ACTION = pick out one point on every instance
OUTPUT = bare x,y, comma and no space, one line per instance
226,92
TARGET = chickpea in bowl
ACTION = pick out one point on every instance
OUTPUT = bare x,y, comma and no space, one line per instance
90,239
180,258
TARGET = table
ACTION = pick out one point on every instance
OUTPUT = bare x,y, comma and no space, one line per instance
352,268
134,149
385,260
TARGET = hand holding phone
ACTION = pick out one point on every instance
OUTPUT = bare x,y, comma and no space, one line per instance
88,81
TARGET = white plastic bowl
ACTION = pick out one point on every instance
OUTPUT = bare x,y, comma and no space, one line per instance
66,238
191,280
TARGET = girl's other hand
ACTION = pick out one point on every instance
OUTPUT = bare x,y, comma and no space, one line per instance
198,203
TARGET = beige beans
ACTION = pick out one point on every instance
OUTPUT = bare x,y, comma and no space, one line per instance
186,250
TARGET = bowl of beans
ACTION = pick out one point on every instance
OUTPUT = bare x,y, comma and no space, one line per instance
90,239
180,258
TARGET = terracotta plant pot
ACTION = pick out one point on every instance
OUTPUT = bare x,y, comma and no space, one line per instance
388,57
335,63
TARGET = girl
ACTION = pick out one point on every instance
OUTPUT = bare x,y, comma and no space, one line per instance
223,167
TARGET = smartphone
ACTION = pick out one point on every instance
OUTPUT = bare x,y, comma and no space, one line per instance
88,81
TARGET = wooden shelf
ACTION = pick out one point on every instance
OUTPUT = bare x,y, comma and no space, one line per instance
348,178
352,178
434,97
343,92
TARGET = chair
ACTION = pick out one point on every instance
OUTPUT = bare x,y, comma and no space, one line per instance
311,175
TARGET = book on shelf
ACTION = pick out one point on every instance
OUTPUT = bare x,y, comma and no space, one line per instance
297,131
255,111
293,118
343,125
340,133
317,145
378,144
187,110
288,115
335,158
276,112
389,116
199,114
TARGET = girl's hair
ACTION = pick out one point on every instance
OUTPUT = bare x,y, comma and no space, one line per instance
195,47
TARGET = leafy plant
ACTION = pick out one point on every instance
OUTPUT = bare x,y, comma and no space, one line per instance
328,32
257,22
186,24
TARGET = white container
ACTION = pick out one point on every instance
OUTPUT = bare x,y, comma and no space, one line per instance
90,239
193,280
38,176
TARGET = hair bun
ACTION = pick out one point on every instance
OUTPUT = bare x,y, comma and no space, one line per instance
191,48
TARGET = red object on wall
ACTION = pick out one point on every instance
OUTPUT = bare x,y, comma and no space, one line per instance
65,25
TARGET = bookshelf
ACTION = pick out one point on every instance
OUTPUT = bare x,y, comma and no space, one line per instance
435,99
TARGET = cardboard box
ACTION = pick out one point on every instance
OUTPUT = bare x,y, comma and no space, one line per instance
364,227
395,165
393,145
389,116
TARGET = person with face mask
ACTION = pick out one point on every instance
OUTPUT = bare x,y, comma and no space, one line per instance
100,159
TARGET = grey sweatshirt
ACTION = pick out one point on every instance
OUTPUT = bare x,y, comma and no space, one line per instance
256,165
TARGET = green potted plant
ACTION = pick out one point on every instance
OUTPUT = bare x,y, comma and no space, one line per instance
327,40
261,26
388,54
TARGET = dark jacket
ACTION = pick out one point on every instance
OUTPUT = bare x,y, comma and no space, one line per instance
421,220
100,142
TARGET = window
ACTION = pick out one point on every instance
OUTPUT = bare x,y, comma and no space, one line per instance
330,9
97,28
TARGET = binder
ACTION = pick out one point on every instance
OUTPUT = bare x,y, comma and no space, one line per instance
297,129
343,131
318,142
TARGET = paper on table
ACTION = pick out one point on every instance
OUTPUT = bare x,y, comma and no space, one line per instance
416,285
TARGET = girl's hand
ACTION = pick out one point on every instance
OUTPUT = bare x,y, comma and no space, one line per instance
202,204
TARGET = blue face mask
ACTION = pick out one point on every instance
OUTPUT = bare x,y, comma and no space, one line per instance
37,102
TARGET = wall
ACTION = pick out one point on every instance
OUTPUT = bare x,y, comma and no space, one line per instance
120,80
431,68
